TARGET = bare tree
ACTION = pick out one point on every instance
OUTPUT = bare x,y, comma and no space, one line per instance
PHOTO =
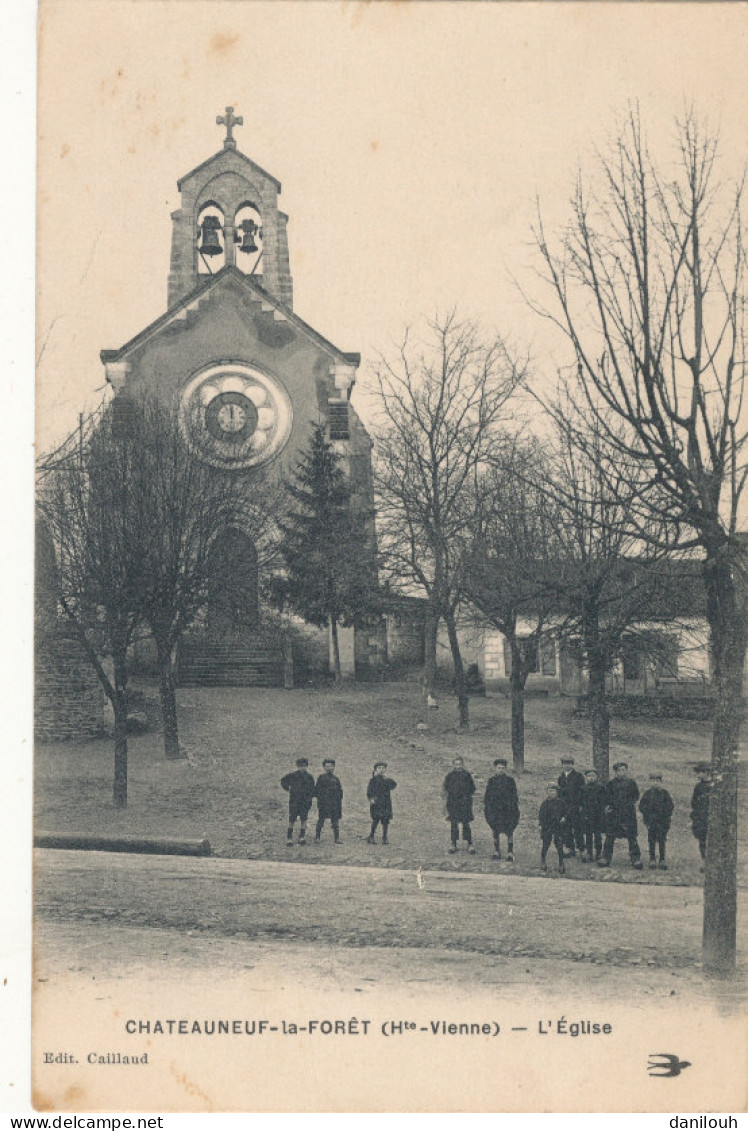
134,516
606,577
185,506
511,571
98,532
440,404
648,284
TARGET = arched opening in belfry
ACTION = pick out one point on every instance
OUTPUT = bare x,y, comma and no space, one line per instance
249,247
211,250
233,600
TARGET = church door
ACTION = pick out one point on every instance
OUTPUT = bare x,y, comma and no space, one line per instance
233,604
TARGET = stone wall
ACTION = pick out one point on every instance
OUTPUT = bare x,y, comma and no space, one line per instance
653,706
404,641
311,652
69,701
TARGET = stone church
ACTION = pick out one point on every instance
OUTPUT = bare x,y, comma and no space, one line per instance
249,377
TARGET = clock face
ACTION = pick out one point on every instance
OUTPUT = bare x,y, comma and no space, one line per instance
231,417
235,416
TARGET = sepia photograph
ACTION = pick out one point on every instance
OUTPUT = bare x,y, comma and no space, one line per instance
390,557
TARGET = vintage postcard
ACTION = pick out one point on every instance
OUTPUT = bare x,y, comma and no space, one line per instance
391,588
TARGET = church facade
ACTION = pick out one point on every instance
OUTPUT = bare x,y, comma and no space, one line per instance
249,378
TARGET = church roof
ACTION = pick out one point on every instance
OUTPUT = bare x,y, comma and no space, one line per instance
227,275
221,153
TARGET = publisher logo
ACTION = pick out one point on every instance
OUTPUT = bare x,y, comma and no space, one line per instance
666,1064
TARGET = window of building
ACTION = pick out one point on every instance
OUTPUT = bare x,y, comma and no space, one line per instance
653,652
339,424
542,658
665,657
548,657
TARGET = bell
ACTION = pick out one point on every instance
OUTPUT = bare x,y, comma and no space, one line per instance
250,228
211,244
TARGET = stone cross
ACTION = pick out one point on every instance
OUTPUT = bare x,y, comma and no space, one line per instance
229,121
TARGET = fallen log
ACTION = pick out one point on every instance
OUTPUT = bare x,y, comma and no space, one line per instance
155,845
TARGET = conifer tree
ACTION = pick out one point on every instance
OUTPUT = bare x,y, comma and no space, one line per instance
327,546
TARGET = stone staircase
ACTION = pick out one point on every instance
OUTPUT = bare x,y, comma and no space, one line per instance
246,663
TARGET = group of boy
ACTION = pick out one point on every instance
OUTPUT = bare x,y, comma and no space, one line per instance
579,813
302,790
579,810
500,805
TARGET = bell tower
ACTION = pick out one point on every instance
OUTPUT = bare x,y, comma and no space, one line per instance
229,216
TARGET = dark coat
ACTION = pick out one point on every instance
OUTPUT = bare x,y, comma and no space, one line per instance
700,809
329,794
593,804
571,789
300,788
621,796
379,792
459,787
501,804
552,814
656,808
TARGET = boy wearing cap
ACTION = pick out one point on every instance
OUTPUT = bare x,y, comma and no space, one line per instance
552,817
501,806
459,788
299,785
329,794
656,808
570,790
592,816
700,806
379,793
620,798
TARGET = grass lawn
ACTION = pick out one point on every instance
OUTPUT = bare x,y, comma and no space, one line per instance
241,741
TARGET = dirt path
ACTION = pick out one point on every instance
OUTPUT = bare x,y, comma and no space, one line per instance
490,915
112,953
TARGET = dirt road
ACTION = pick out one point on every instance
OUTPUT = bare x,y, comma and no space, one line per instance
212,902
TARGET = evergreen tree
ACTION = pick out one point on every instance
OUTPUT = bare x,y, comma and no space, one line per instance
327,546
